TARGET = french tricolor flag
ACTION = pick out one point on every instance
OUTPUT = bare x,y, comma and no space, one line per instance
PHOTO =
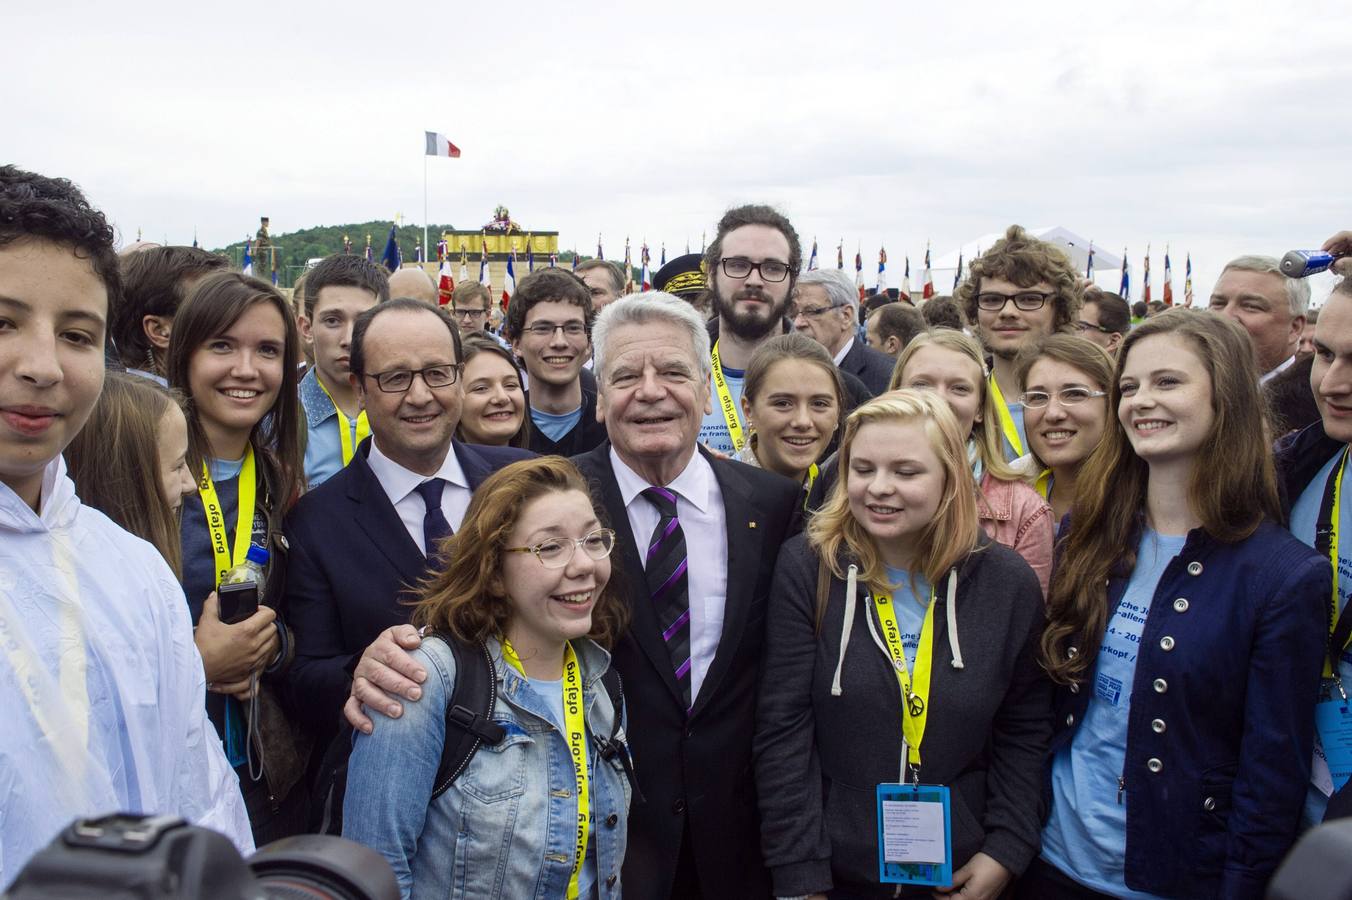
439,145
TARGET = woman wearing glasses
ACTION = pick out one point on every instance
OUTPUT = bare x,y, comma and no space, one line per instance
529,580
1065,401
1011,512
1185,630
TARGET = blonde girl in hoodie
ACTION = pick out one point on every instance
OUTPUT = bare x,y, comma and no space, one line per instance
893,567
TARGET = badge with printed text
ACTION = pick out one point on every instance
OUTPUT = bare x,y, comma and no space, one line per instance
914,834
1333,720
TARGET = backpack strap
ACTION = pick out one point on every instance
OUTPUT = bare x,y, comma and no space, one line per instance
469,712
612,747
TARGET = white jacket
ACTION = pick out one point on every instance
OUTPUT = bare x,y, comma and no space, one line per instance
102,703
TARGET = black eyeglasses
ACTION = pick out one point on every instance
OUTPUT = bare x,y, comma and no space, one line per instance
555,553
396,381
1082,325
547,329
469,313
739,267
812,312
1066,396
1028,301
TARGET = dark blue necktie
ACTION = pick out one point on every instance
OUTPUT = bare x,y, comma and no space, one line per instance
435,526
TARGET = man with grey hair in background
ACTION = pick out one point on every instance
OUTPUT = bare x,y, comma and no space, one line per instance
1271,307
412,281
697,537
825,307
604,279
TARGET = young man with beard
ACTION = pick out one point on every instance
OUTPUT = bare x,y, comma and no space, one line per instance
337,290
1019,290
753,265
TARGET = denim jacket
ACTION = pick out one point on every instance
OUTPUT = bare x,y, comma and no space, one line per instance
505,827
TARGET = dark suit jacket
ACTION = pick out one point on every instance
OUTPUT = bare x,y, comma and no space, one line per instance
869,366
1291,399
698,767
350,560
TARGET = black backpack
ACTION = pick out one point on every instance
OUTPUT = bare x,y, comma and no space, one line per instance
469,725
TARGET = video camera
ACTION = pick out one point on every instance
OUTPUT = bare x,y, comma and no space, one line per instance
129,857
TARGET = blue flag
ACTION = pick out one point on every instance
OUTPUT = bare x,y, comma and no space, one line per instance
392,257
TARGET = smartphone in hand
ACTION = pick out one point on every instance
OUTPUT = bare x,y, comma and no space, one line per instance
238,601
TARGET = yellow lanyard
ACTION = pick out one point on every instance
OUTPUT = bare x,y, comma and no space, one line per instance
1006,420
726,403
808,483
1334,601
575,728
211,505
1044,484
345,425
915,690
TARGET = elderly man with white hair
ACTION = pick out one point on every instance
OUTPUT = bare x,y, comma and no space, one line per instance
697,537
826,308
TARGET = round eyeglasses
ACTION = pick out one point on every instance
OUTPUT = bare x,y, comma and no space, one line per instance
555,553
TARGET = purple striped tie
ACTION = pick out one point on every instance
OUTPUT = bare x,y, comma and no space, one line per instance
669,584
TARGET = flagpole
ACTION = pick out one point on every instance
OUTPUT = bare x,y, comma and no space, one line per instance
424,206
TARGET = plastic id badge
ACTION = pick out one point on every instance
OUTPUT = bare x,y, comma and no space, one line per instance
914,834
1333,720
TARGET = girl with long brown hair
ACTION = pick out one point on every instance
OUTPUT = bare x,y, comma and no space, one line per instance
528,585
233,355
1185,629
130,461
900,646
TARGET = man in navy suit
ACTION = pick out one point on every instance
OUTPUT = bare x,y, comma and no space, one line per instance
826,308
363,539
696,541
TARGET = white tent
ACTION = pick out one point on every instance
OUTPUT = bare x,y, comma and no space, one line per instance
1107,266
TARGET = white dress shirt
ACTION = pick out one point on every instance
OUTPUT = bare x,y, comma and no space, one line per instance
844,351
401,485
699,507
1279,369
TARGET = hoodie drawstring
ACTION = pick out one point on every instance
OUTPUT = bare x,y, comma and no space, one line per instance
953,618
851,585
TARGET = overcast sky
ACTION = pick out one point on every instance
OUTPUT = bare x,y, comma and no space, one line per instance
1214,127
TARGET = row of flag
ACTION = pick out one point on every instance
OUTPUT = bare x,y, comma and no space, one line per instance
1124,287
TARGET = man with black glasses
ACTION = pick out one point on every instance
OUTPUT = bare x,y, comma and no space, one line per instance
368,533
826,308
1104,319
1019,290
549,324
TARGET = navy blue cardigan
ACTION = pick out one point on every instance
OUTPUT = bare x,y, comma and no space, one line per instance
1221,727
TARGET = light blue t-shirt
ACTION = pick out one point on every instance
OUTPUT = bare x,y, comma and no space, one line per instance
910,606
1304,514
555,426
552,693
713,431
1086,836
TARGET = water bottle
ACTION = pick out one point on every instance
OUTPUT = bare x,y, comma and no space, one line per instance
251,570
1304,263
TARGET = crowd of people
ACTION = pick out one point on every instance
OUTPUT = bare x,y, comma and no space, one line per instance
744,587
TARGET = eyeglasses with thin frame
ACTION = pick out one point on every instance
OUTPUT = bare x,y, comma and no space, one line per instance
1081,325
396,381
1028,301
740,267
812,312
547,329
469,312
555,553
1066,397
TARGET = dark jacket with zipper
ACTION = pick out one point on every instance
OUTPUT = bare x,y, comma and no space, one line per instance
1300,456
586,434
819,757
1221,727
